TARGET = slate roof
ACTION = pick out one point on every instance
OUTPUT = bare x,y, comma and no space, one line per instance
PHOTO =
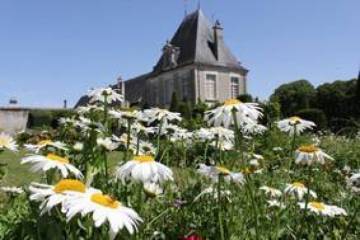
196,41
195,38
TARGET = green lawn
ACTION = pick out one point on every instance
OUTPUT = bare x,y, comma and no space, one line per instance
18,174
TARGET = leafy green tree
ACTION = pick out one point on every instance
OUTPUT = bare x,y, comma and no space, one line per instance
316,115
245,97
336,99
174,105
357,97
294,96
272,113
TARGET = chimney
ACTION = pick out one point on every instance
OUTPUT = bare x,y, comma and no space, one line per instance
121,85
218,39
65,104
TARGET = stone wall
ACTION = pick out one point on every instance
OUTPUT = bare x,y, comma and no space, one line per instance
159,89
13,120
223,86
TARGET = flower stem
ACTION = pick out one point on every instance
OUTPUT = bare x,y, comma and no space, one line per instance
350,222
292,152
158,137
254,208
128,132
221,226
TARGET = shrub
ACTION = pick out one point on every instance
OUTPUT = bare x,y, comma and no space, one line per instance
39,118
316,115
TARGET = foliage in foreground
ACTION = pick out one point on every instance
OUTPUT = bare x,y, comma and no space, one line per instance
224,184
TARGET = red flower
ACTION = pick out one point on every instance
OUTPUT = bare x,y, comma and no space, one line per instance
192,237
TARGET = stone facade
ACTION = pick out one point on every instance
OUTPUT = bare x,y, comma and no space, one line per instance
196,64
190,83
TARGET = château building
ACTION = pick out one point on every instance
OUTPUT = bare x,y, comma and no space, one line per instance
196,64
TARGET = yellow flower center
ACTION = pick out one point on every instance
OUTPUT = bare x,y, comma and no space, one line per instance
317,205
248,170
298,185
231,101
54,157
308,149
105,200
45,142
69,185
223,170
144,158
4,142
295,120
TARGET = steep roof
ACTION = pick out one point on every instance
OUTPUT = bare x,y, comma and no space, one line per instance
196,41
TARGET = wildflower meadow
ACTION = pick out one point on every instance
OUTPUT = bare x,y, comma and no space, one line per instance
227,177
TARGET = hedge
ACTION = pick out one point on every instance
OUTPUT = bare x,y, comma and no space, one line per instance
48,118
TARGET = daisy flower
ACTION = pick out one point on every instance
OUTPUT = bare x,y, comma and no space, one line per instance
144,168
320,208
127,114
52,161
295,125
309,154
213,173
78,146
252,128
105,94
213,191
272,192
204,134
45,143
353,183
12,190
157,114
104,209
6,141
152,189
223,115
275,203
137,128
107,143
224,136
298,190
88,108
53,195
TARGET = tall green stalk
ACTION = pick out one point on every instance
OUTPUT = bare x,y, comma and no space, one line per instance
159,134
220,217
128,132
292,152
352,218
248,186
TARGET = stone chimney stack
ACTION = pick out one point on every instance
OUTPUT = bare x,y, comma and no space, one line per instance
121,86
218,39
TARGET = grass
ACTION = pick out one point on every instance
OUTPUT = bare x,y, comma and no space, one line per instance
17,174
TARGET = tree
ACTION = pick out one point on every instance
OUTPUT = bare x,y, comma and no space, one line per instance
357,97
245,97
357,91
272,112
316,115
185,109
336,99
174,105
294,96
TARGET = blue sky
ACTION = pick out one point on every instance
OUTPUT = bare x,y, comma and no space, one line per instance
54,50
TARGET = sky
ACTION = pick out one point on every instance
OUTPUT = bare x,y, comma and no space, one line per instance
54,50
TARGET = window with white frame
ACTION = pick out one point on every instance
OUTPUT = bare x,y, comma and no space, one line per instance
210,86
234,85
